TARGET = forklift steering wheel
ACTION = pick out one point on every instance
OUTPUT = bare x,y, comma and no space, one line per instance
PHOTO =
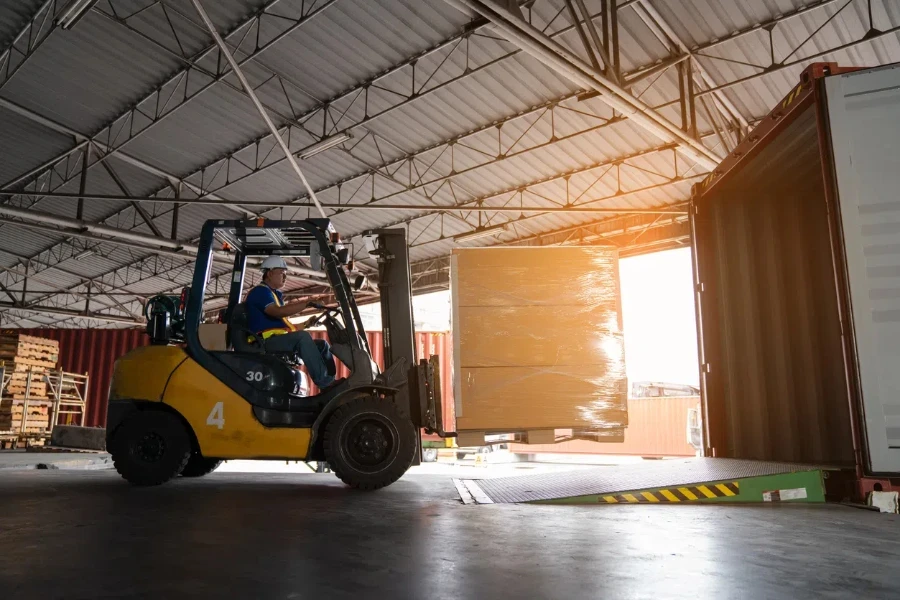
322,307
167,302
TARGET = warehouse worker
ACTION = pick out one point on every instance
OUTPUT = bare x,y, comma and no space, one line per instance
267,316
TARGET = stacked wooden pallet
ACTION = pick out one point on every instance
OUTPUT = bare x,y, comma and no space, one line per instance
24,354
37,418
26,359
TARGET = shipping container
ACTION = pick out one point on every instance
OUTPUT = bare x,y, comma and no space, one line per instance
796,239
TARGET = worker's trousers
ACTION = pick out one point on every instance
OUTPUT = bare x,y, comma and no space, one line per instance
315,354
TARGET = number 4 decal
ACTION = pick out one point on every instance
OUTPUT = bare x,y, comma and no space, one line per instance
217,416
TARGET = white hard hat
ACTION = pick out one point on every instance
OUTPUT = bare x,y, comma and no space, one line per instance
273,262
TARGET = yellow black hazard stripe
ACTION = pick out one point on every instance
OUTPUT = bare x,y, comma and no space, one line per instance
679,494
791,97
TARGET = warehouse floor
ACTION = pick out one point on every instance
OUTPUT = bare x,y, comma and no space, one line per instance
87,534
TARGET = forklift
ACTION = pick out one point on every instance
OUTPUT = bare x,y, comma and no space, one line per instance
176,408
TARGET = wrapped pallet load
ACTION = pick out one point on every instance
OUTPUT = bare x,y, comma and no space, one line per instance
538,344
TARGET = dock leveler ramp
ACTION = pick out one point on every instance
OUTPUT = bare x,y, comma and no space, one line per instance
796,248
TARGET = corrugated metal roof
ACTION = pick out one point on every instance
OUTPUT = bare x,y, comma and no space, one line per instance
33,144
84,76
14,16
87,76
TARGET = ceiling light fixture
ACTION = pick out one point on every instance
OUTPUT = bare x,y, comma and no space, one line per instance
74,12
323,145
480,232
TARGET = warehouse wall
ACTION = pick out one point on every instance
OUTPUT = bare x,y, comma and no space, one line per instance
94,351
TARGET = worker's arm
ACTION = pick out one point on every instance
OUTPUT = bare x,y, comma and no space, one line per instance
288,310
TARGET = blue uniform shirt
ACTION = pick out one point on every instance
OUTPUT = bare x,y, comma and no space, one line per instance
257,300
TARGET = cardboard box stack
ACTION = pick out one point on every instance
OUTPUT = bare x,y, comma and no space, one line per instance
538,341
20,356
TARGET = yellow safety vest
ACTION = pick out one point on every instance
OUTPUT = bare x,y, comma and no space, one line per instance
267,333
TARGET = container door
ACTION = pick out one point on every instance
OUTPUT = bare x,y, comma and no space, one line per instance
864,117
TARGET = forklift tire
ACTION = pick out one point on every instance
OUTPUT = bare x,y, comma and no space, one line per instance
150,447
198,466
368,444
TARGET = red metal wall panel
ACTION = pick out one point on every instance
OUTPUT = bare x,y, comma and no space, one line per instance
94,351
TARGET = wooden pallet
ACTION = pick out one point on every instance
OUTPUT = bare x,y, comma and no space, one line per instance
474,438
20,361
30,427
18,400
19,409
28,350
10,357
12,336
18,386
23,440
37,412
37,392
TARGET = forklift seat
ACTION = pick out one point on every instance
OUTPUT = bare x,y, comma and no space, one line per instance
239,332
240,335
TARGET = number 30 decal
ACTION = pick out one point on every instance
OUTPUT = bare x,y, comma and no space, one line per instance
217,416
254,376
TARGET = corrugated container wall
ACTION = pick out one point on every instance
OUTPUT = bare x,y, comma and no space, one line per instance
94,351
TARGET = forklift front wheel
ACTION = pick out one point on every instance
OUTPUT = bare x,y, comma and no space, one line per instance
368,444
150,447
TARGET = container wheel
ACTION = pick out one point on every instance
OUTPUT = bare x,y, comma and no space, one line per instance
198,466
429,454
368,444
150,447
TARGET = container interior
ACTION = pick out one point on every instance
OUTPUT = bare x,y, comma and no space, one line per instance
775,387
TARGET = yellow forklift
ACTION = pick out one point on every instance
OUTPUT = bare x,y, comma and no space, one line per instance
178,408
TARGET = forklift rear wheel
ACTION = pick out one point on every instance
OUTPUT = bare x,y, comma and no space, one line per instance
198,466
368,444
150,447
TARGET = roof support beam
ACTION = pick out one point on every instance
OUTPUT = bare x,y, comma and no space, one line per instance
427,208
647,13
6,306
29,39
777,68
173,94
148,220
340,104
131,239
364,87
555,56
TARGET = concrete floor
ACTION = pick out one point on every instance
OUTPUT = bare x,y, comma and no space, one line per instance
86,534
21,459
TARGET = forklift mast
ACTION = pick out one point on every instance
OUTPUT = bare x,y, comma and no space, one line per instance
421,398
395,290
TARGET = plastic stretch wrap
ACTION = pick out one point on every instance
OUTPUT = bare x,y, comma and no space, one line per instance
538,339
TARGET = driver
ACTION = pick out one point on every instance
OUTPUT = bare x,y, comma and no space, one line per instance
267,316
